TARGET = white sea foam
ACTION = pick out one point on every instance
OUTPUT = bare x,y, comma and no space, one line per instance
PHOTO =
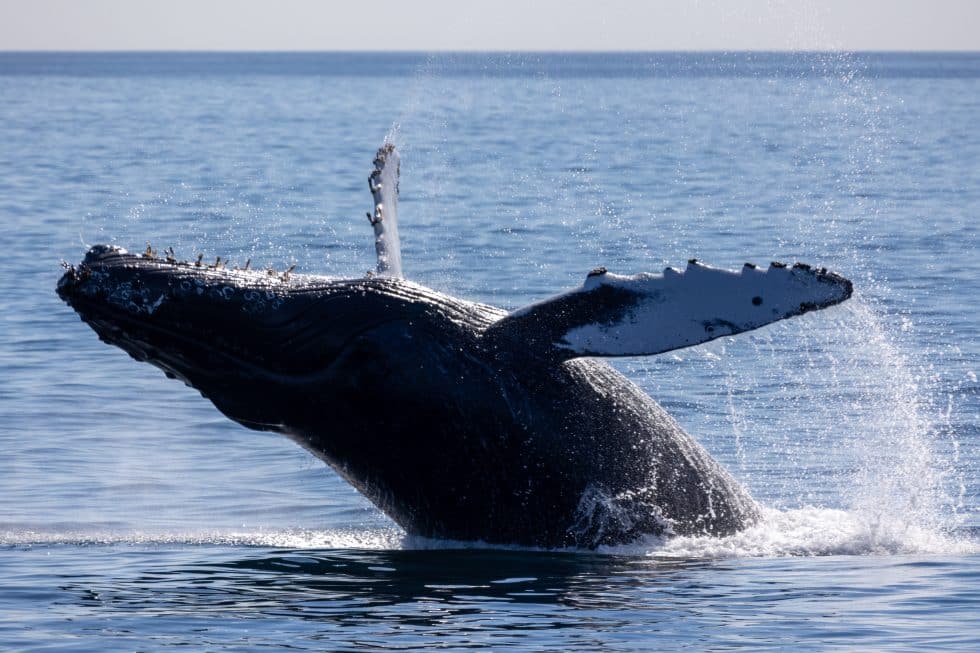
810,532
275,538
799,532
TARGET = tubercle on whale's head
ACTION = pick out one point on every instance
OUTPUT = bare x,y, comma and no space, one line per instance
107,268
123,280
195,319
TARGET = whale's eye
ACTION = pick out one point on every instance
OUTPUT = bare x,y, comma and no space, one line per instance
756,301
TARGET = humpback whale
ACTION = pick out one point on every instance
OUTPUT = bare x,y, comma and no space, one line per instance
458,420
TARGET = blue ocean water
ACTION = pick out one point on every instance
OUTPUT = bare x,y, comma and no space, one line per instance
134,517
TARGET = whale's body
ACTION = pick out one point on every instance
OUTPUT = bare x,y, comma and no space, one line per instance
456,419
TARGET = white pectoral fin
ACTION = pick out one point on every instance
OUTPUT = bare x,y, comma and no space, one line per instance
383,183
613,315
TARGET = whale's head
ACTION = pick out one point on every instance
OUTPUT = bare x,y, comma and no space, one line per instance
252,341
370,373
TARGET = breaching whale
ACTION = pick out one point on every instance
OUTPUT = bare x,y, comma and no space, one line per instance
457,419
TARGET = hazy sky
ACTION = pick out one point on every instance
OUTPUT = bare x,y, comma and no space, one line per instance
495,25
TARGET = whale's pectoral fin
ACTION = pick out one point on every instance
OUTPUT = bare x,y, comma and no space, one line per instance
613,315
383,183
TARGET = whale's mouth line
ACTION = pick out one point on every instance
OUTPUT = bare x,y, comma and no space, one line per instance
122,328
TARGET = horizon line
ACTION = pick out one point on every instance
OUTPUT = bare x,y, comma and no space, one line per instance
488,52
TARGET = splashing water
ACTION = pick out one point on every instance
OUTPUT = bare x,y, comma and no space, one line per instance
844,403
901,479
812,532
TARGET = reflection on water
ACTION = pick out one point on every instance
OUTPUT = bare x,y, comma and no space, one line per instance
468,597
346,599
350,585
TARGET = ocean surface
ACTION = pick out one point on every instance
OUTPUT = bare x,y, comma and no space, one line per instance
134,517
